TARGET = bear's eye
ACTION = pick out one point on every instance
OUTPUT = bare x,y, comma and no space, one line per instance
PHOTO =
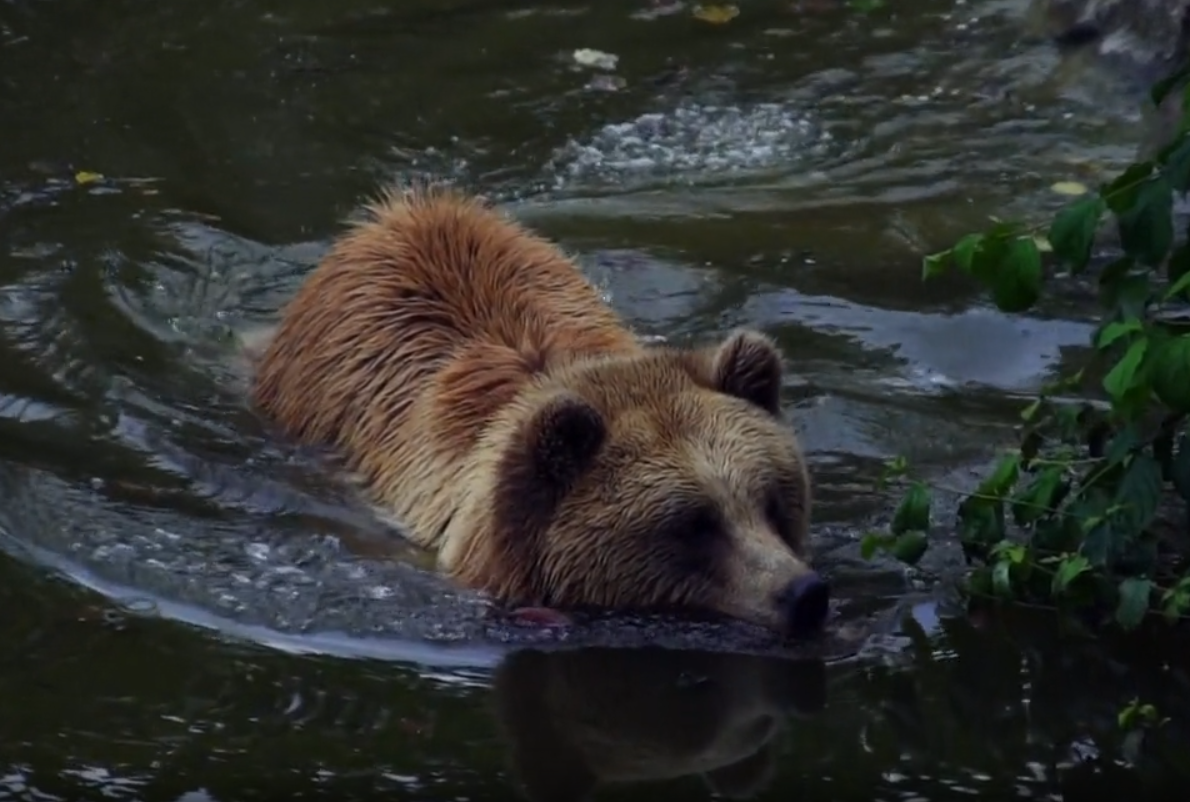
697,524
695,540
777,514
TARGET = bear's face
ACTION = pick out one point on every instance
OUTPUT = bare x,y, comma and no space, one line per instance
665,480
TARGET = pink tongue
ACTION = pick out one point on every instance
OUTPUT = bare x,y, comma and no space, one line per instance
539,617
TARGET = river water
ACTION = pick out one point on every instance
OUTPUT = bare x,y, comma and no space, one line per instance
196,611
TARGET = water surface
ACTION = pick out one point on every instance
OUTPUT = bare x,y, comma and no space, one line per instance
200,611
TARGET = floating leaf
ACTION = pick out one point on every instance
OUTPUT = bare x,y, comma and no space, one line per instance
586,57
1069,188
1073,231
1134,601
602,82
913,513
87,177
1171,379
717,13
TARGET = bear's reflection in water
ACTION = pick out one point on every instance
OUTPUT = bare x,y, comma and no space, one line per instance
574,720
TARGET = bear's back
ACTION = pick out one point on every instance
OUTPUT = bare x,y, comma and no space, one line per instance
419,324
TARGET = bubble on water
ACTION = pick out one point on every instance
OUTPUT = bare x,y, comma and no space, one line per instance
693,139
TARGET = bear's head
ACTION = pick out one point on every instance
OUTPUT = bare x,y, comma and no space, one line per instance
665,479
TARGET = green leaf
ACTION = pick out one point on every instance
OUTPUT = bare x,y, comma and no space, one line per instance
1176,159
1180,469
1031,443
1179,272
1114,331
1127,715
910,547
873,542
1121,193
1012,552
1070,419
1133,603
1002,578
1139,491
1037,499
893,468
1146,227
1071,568
1017,283
1163,450
1003,477
1073,231
1063,383
1125,441
1171,376
1091,514
987,258
1163,87
981,523
964,252
913,513
1126,296
1122,378
934,265
1175,605
1116,269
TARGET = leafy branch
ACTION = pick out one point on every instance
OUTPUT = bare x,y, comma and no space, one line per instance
1073,516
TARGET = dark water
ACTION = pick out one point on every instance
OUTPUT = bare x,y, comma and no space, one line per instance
195,611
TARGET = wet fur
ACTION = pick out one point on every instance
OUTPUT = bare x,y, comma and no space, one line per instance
505,416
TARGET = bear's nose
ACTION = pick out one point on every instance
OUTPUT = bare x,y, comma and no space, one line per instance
804,604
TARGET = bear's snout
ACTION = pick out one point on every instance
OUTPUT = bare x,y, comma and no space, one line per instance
804,604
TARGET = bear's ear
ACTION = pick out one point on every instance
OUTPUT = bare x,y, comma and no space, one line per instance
747,365
561,439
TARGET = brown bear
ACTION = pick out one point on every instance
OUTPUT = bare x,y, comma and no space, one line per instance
505,417
577,719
